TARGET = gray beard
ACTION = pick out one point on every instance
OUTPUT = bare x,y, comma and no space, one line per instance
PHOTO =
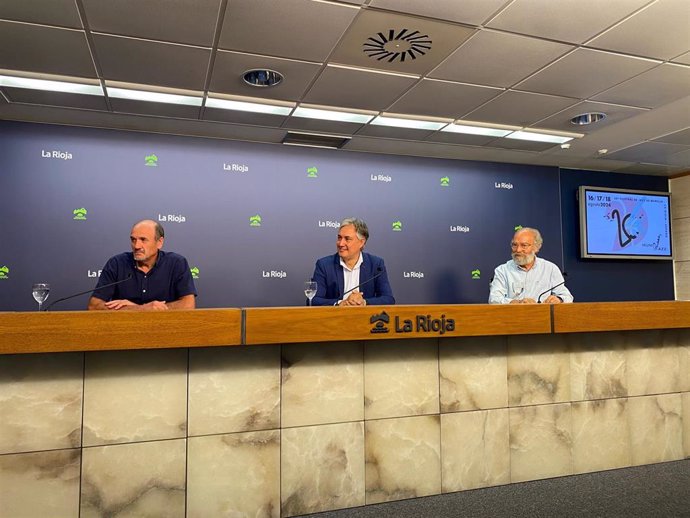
525,260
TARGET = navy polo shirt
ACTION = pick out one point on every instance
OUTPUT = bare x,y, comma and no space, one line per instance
168,280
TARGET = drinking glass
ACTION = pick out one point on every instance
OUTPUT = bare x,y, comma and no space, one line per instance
40,291
310,290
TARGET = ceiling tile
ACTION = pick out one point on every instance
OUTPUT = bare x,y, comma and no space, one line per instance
357,89
256,119
584,73
683,58
156,19
157,109
449,137
614,114
298,29
681,159
398,43
636,35
656,87
650,169
48,50
519,108
648,152
505,59
679,137
443,98
317,125
573,21
152,63
474,12
62,13
46,98
396,133
523,145
229,67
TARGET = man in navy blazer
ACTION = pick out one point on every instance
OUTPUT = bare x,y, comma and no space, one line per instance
351,277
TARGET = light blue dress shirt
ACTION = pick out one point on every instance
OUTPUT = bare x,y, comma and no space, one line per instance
511,282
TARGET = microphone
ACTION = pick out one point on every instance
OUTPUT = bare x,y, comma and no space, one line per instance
565,274
92,289
380,272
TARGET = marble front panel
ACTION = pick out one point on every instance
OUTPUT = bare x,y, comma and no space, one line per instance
322,383
233,389
135,396
476,449
40,401
686,424
322,468
234,475
597,366
400,378
474,373
600,435
684,365
649,354
656,428
133,480
403,458
538,370
540,442
40,484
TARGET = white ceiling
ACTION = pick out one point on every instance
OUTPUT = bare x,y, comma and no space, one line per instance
530,63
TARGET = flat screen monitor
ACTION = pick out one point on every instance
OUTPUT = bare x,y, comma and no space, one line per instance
624,224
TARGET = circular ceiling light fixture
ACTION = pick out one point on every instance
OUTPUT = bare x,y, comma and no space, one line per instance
262,77
397,45
587,118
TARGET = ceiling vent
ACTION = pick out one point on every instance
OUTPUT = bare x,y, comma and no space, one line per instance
406,44
294,138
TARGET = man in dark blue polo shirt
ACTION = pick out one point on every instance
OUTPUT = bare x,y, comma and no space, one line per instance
153,279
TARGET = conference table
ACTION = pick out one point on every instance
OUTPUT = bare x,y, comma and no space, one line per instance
291,410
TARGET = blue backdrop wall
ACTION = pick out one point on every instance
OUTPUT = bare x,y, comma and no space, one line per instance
253,218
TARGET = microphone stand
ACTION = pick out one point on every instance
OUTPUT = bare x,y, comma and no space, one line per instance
88,291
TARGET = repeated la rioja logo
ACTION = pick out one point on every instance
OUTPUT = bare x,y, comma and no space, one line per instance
60,155
273,274
329,223
236,168
503,185
413,275
420,324
172,218
381,178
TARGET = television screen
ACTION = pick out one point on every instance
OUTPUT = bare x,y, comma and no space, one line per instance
624,224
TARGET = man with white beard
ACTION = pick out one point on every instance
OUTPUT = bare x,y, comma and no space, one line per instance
526,278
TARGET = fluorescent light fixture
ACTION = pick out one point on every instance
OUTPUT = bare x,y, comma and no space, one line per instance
244,106
539,137
153,97
407,123
477,130
50,86
373,71
332,115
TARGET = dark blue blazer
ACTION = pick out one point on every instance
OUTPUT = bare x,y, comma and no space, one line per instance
329,276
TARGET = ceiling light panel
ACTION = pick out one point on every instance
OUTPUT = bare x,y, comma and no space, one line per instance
332,115
244,106
407,123
538,137
154,97
50,86
476,130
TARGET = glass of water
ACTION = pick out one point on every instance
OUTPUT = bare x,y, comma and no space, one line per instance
310,290
40,291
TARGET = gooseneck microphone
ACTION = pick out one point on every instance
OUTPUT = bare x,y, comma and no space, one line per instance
551,288
92,289
380,272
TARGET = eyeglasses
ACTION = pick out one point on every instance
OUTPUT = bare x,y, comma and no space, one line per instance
523,246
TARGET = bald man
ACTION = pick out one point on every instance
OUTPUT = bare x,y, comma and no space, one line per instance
159,280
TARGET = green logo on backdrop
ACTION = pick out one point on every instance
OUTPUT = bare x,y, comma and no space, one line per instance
476,274
312,172
80,214
151,160
445,181
195,272
397,226
255,221
518,227
4,272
